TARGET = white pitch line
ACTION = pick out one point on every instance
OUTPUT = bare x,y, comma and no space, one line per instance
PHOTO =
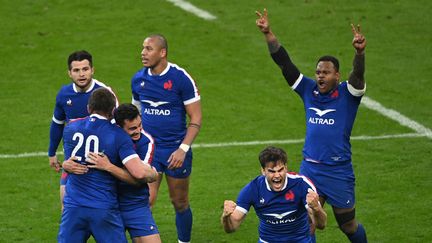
236,144
396,116
189,7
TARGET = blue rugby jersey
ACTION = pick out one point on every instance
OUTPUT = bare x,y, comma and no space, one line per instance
283,215
96,188
329,120
131,196
162,98
70,104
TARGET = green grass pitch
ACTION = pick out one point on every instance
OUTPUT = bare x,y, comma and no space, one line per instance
244,98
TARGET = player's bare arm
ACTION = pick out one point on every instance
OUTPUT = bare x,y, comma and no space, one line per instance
193,110
73,167
101,162
263,25
356,78
318,213
141,171
231,218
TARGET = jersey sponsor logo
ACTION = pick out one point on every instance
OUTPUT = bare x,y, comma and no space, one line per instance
280,216
321,121
320,113
289,196
157,112
168,85
155,104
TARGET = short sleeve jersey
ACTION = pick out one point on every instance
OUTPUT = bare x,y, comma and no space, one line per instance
71,104
163,98
329,121
96,188
282,214
131,196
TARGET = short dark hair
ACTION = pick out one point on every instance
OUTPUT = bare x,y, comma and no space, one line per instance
272,154
162,41
331,59
125,112
79,56
102,101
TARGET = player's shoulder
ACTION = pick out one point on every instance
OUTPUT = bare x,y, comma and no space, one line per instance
98,84
74,124
139,74
299,179
65,89
178,71
258,182
294,176
146,138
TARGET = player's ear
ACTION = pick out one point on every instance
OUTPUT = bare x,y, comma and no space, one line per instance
262,171
163,52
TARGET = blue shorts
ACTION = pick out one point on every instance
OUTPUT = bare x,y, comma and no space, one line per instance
334,182
160,162
78,223
139,222
63,178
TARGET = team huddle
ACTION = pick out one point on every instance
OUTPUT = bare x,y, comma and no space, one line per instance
116,155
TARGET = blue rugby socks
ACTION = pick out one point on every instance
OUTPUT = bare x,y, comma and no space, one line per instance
359,236
184,225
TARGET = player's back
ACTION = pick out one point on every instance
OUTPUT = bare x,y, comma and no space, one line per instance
95,133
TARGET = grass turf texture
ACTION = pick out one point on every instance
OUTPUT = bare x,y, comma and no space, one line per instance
244,98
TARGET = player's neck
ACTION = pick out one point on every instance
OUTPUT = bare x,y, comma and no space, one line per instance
159,68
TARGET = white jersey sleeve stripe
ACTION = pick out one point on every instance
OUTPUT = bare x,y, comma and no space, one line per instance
243,210
356,92
136,103
305,179
296,83
125,160
196,92
150,148
58,121
190,101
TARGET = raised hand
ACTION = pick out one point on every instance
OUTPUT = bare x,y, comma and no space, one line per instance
229,207
262,21
359,41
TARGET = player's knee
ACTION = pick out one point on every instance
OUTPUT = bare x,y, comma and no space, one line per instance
346,221
180,204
